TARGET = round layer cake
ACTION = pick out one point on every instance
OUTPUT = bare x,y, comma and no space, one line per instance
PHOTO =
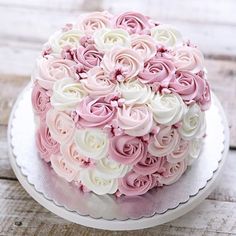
119,102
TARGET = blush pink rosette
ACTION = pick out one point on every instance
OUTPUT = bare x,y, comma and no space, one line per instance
157,70
98,83
127,150
205,100
133,22
46,145
188,58
52,69
95,112
133,184
122,63
40,100
188,85
61,125
135,120
87,57
164,141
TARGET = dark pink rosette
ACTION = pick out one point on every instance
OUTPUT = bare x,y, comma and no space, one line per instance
157,70
133,22
40,101
94,112
46,145
133,184
127,150
205,100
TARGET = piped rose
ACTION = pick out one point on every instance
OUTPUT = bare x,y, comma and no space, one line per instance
127,150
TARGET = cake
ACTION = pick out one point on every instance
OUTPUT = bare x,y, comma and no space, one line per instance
119,103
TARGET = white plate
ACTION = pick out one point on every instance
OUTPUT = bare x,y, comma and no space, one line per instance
106,212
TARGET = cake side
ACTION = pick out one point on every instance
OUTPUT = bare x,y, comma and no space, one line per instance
119,102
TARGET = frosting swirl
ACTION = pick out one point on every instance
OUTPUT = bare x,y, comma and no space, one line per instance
133,184
61,125
164,142
168,109
122,63
98,83
92,143
195,146
188,59
205,100
95,112
106,39
135,93
135,120
193,123
166,35
66,94
127,150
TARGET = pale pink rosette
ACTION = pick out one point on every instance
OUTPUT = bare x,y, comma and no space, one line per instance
52,69
94,112
205,100
93,21
172,173
149,164
122,63
133,22
164,141
135,120
157,70
40,101
70,153
61,125
127,150
133,184
98,83
188,85
180,152
46,145
87,57
188,58
144,45
63,168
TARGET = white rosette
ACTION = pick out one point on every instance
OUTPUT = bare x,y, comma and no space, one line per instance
195,147
61,39
105,39
166,35
135,93
193,123
92,143
67,94
168,109
95,182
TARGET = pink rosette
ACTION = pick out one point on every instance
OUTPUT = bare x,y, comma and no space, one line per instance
133,22
122,64
46,145
91,22
135,120
70,153
95,112
188,58
98,83
127,150
61,125
205,100
40,101
157,70
87,57
51,69
180,152
164,141
149,164
63,168
188,85
172,173
133,184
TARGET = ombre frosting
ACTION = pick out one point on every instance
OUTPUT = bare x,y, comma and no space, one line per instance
120,102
